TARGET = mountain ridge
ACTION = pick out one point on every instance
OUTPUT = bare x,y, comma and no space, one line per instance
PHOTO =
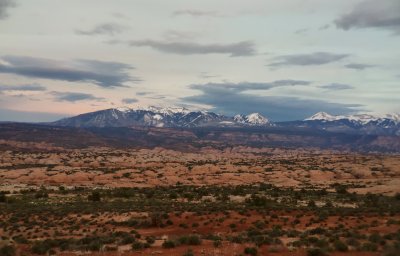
159,117
178,117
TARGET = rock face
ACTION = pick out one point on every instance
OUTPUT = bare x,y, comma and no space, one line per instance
159,117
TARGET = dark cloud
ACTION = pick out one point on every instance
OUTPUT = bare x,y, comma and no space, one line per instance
24,87
27,116
129,100
101,73
4,6
382,14
336,86
358,66
244,48
103,29
74,96
195,13
316,58
223,99
247,86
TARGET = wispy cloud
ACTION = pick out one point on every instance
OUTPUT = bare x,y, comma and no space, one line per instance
23,87
244,48
74,96
129,100
336,86
103,29
248,86
195,13
102,73
206,75
316,58
4,6
359,66
382,14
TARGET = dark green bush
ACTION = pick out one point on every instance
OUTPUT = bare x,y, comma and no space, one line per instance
250,251
168,244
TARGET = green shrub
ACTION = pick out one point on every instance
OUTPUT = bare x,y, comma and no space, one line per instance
168,244
250,251
137,245
94,196
7,250
188,253
340,246
316,252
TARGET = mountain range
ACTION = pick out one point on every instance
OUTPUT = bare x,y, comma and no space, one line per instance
177,117
160,117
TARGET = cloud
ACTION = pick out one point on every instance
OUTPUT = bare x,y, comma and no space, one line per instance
24,87
324,27
103,29
101,73
28,116
74,96
4,6
316,58
223,99
336,86
195,13
206,75
382,14
244,48
358,66
129,100
246,86
302,31
142,93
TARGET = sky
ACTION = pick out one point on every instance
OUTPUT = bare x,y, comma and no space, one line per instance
285,59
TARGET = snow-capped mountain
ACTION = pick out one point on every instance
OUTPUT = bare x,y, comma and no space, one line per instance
252,119
359,123
159,117
358,118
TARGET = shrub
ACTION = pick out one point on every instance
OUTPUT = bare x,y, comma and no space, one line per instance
316,252
137,245
340,246
3,197
194,240
250,251
188,253
217,243
41,247
94,196
7,250
168,244
371,247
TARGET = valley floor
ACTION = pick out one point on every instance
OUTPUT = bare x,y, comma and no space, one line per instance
230,201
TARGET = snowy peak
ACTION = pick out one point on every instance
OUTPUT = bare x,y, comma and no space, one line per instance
361,119
256,119
251,119
239,118
322,116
